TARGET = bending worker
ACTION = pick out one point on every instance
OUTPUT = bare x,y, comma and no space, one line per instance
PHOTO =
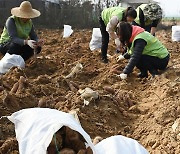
109,19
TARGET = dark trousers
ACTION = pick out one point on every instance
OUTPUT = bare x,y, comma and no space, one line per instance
150,63
105,38
24,51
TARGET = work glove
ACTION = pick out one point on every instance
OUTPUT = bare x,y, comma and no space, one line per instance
120,57
117,51
117,42
31,43
123,76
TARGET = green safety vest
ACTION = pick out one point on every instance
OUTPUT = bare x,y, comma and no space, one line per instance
108,13
137,20
153,47
23,30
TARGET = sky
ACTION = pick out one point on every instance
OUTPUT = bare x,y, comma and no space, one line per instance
171,8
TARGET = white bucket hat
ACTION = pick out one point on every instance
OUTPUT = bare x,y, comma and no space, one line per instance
25,11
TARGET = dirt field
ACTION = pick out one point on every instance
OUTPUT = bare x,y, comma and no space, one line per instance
143,109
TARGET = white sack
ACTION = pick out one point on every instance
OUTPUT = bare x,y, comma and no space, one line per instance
175,33
119,145
35,128
67,31
8,61
96,40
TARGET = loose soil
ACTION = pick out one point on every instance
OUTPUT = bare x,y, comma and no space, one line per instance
143,109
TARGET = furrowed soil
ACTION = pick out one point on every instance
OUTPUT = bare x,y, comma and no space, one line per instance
143,109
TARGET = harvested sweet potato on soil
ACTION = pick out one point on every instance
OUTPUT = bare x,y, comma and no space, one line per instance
67,151
14,88
109,89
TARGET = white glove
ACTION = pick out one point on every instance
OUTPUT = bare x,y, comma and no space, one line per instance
117,42
31,43
123,76
120,57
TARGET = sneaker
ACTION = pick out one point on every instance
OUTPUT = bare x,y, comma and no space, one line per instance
154,72
105,60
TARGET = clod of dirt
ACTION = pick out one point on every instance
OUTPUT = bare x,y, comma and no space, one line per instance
1,88
176,127
115,71
11,102
127,97
42,102
19,86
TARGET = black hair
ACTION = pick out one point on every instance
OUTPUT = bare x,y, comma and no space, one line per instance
129,12
124,30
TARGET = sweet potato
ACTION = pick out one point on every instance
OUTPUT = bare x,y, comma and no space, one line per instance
22,79
82,151
85,151
109,89
72,88
74,84
42,102
67,151
14,88
11,102
74,140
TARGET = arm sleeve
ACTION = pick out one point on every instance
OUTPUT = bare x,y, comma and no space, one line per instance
126,55
139,45
33,34
11,28
112,25
155,23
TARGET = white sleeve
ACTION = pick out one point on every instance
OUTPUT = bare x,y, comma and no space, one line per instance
111,26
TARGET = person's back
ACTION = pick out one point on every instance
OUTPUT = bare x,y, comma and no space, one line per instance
148,16
145,51
108,13
109,19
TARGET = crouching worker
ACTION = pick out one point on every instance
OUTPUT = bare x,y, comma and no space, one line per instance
148,17
109,19
145,51
18,36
